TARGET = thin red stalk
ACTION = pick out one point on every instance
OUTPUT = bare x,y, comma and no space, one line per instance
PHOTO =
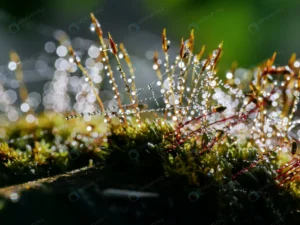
285,166
293,166
276,71
188,122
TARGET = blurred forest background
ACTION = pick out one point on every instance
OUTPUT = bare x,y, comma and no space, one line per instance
251,30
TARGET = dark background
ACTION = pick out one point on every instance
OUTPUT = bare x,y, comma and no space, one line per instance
251,30
229,21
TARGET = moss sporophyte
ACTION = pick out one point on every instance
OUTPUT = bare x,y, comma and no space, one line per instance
204,129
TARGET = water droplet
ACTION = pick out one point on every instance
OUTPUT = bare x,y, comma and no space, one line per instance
14,197
12,66
294,131
181,64
92,27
